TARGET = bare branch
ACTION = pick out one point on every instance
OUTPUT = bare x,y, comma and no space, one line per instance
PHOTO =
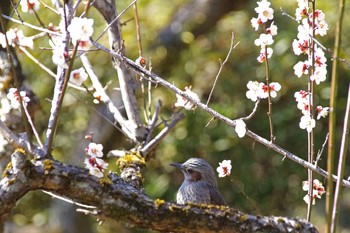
158,80
156,140
31,26
341,164
126,81
222,66
105,98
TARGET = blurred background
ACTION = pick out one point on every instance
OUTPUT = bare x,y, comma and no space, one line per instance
184,40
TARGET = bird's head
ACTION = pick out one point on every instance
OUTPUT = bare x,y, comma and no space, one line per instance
196,169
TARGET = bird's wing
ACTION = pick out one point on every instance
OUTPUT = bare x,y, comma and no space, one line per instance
216,198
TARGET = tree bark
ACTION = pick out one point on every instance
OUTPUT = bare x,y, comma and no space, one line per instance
117,200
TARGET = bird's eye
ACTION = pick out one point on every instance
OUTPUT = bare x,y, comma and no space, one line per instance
190,171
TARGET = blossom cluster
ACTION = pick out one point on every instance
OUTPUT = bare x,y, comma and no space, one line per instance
315,65
303,104
265,13
8,102
224,168
14,97
94,162
15,37
80,31
258,90
317,191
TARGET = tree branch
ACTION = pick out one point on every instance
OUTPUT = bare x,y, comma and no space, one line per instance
117,200
154,78
126,82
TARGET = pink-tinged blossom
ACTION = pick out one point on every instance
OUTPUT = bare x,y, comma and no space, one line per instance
81,29
272,29
264,40
301,68
274,88
96,166
302,98
320,58
317,190
264,11
301,12
306,122
78,76
300,47
224,168
322,112
255,22
29,5
14,98
264,54
94,150
183,102
240,128
15,37
319,16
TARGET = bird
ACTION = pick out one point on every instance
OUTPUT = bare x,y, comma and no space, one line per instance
200,185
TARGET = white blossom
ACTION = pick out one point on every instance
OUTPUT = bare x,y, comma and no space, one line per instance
183,102
240,128
81,29
224,168
78,76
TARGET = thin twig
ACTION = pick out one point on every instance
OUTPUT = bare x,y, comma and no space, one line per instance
222,66
138,34
115,19
48,7
68,200
42,66
332,114
15,6
29,118
60,89
31,26
253,112
153,122
310,137
36,61
157,139
341,165
154,78
269,113
105,98
319,153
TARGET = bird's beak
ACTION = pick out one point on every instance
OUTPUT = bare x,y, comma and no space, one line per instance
178,165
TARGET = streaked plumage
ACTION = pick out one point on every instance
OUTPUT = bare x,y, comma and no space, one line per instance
200,185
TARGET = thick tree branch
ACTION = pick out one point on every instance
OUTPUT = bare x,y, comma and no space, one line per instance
126,82
117,200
